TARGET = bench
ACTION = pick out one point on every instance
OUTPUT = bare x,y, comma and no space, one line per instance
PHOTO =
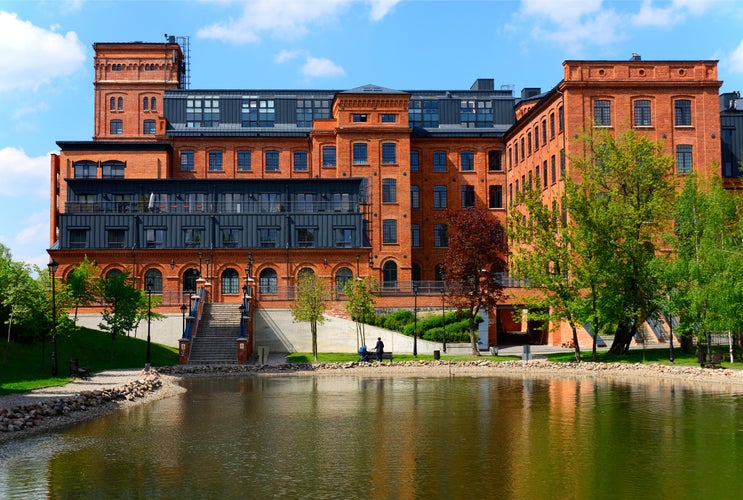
372,356
78,371
715,361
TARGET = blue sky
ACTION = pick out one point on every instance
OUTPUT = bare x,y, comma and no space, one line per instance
46,58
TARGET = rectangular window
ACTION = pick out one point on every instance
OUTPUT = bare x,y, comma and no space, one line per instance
528,143
494,161
388,118
439,161
202,112
544,131
642,113
149,127
309,110
602,113
468,196
343,237
154,238
112,170
552,125
523,149
389,153
562,164
306,237
415,235
269,203
328,156
683,159
440,235
85,170
305,202
516,153
117,127
341,202
561,118
424,113
536,138
187,160
300,161
389,231
215,161
244,161
467,161
415,197
116,238
258,113
389,191
272,161
682,112
359,118
360,156
439,197
553,169
414,161
78,238
231,237
193,236
495,197
268,237
232,202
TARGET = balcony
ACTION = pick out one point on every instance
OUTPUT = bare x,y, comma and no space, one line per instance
185,207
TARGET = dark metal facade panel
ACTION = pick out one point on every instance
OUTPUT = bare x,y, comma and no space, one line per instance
503,112
286,111
731,125
449,111
174,109
230,109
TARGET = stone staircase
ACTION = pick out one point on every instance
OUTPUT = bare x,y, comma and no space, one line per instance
215,342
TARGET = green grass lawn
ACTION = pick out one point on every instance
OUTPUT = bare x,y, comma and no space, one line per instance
21,366
659,355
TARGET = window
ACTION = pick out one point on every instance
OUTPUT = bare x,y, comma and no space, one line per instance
258,113
112,170
682,112
440,235
389,191
272,161
328,156
360,154
112,104
231,202
343,237
360,118
146,104
516,153
439,161
306,237
414,161
116,238
78,238
187,160
244,160
602,113
683,159
561,118
269,202
424,113
202,112
389,118
120,104
389,153
389,231
553,168
154,277
544,173
268,237
552,125
467,161
439,197
231,237
215,161
149,127
415,197
268,282
544,131
495,161
495,197
300,161
389,274
153,103
343,276
642,113
562,164
195,202
528,143
468,196
117,127
341,202
415,271
474,113
523,149
415,235
193,236
154,238
230,281
309,110
85,169
536,138
305,202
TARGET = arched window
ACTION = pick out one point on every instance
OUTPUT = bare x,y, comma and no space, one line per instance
121,104
113,273
268,281
153,103
189,280
156,278
145,103
112,104
342,276
305,271
230,281
416,271
389,274
439,272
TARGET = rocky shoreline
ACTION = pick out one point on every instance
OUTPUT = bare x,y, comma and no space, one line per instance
55,413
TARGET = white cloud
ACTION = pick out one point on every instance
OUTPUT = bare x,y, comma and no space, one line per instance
31,56
321,67
735,62
22,176
561,12
661,17
288,55
284,19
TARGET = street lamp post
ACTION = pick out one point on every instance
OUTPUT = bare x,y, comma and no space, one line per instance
443,321
184,307
415,320
53,265
149,317
200,256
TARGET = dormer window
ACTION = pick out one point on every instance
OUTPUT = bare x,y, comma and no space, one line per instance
360,118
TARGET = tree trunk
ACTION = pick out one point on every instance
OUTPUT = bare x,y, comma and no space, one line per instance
473,338
575,343
622,339
313,328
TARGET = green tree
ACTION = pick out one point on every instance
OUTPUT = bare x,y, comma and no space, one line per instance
473,264
81,283
310,303
361,304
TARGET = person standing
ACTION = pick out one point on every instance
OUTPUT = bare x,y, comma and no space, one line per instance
379,347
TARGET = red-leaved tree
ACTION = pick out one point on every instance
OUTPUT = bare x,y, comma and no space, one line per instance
473,263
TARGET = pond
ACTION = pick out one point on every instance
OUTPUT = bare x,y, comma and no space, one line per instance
395,437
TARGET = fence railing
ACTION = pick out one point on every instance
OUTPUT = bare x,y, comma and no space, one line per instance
180,206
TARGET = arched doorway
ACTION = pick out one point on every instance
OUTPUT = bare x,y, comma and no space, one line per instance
389,275
189,280
342,276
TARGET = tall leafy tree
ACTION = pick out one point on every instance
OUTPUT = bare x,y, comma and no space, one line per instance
473,264
81,283
310,303
360,304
